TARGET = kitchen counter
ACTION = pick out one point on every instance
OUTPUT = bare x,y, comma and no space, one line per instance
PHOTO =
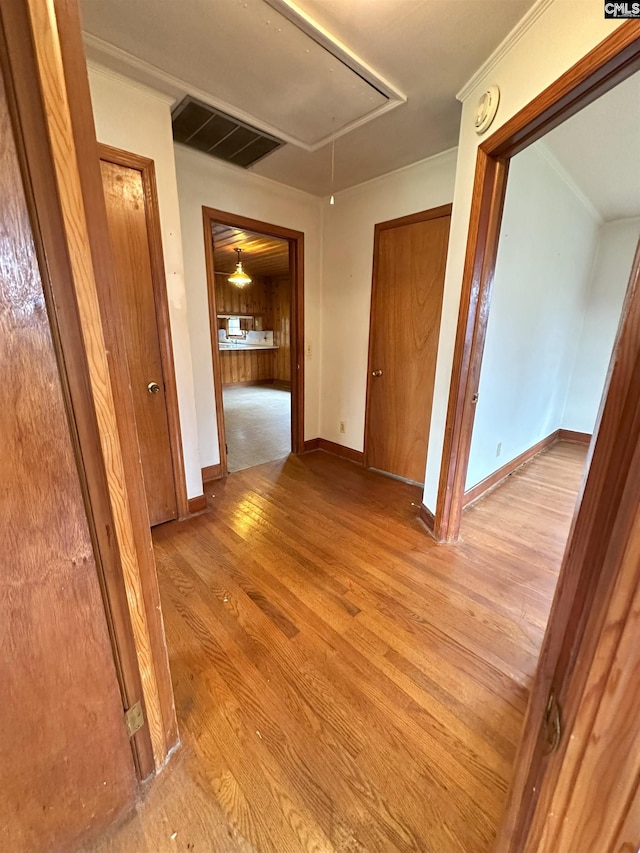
245,347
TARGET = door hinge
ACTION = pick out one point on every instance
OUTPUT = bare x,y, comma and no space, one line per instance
134,719
475,398
226,448
552,724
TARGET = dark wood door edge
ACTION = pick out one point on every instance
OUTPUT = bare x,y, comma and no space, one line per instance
296,273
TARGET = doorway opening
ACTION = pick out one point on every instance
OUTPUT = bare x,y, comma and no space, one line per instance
255,287
592,564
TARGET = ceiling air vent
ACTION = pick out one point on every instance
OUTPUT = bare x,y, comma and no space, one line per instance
202,127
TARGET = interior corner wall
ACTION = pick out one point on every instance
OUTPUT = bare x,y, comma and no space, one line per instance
563,33
543,270
204,181
348,230
617,245
136,119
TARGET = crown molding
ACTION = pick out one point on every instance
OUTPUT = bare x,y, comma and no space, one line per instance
105,71
562,173
448,153
524,24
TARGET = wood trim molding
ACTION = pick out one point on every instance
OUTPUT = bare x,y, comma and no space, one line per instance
379,227
507,470
427,518
296,271
59,57
147,170
212,472
334,449
575,437
413,218
197,504
617,57
484,229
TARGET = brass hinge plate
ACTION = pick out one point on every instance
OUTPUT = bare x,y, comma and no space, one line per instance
134,719
552,724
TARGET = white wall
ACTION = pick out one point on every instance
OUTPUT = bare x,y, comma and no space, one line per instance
137,119
547,245
204,181
557,38
616,249
347,268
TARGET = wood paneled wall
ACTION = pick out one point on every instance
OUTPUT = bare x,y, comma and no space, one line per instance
247,366
253,299
270,299
281,319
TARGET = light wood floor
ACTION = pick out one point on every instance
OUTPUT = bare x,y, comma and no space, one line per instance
342,683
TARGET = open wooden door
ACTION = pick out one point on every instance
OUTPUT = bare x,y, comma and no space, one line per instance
406,302
66,765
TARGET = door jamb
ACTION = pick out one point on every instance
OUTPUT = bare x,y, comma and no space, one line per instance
296,274
410,219
147,170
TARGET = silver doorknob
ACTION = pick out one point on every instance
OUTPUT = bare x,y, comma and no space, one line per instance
153,388
376,373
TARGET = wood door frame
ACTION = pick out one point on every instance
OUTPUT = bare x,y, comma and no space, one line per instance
296,276
388,225
147,170
59,154
610,62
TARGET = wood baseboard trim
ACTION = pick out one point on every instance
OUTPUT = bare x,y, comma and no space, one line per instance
501,474
212,472
282,384
427,518
197,504
349,453
335,449
575,437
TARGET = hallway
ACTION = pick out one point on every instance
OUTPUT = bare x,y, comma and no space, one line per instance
342,683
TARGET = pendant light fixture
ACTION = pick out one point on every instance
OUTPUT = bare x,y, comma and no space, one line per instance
239,277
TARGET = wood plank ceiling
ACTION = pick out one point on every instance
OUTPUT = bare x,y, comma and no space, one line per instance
261,256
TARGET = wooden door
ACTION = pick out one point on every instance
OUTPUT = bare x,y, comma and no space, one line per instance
127,214
408,281
66,766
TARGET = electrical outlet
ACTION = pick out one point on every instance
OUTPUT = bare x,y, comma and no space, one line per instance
343,427
499,448
308,350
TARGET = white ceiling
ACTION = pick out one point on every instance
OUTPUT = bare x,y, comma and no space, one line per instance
599,148
246,55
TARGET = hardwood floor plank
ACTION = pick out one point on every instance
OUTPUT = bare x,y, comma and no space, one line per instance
342,682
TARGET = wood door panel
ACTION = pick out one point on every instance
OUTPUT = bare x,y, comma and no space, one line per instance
405,323
126,213
66,767
247,366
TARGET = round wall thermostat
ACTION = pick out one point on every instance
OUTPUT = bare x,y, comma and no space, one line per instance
487,108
